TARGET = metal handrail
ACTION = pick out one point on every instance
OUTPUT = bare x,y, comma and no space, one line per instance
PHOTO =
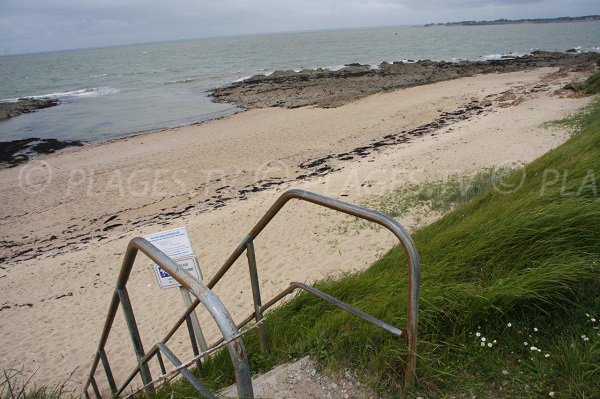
203,295
373,216
377,217
184,278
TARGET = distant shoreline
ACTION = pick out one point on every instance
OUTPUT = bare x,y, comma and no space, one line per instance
503,21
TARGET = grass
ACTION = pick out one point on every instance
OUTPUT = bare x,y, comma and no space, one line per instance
14,384
590,86
579,120
438,196
430,197
518,267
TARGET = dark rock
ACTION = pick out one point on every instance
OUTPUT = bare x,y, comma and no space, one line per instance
24,105
328,89
15,152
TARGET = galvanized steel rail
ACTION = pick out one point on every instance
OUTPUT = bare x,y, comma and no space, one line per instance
204,295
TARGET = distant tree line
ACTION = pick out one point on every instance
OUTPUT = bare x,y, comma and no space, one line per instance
504,21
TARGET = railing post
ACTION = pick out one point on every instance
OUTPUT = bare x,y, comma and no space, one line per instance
95,388
138,347
196,330
109,374
163,370
187,374
412,318
258,314
195,351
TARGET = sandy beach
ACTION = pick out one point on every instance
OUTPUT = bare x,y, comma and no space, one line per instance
66,218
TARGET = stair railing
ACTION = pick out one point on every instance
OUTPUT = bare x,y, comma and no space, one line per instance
229,330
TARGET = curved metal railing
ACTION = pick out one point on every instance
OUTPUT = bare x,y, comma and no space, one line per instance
203,295
229,330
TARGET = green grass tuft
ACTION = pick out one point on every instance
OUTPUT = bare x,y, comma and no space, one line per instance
438,196
592,84
14,384
579,120
589,87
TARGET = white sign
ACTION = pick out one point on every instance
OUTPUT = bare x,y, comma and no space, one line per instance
176,245
189,264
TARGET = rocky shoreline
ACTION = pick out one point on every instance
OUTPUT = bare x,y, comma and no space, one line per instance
24,106
315,87
328,89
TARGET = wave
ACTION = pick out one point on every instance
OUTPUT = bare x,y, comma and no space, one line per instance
334,68
501,56
242,79
60,95
180,81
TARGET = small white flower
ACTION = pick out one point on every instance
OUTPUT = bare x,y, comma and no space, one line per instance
587,314
483,344
505,372
551,394
533,348
539,350
482,339
525,343
494,341
478,334
509,324
535,329
489,344
547,355
593,320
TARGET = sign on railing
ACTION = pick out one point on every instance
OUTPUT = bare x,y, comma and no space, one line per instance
176,245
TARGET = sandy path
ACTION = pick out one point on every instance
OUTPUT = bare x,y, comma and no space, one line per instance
77,226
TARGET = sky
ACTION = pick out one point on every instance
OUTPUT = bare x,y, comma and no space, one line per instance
46,25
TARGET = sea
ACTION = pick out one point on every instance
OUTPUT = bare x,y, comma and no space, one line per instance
111,92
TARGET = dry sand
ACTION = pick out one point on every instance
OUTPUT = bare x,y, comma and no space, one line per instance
63,238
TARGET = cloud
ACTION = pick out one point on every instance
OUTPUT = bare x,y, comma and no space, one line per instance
37,25
463,4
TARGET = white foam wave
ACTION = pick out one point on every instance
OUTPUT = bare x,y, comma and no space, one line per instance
91,92
334,68
242,79
188,80
501,56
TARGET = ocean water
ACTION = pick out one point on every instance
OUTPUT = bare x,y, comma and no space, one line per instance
118,91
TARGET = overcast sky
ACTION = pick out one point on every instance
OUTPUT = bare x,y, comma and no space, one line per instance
45,25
